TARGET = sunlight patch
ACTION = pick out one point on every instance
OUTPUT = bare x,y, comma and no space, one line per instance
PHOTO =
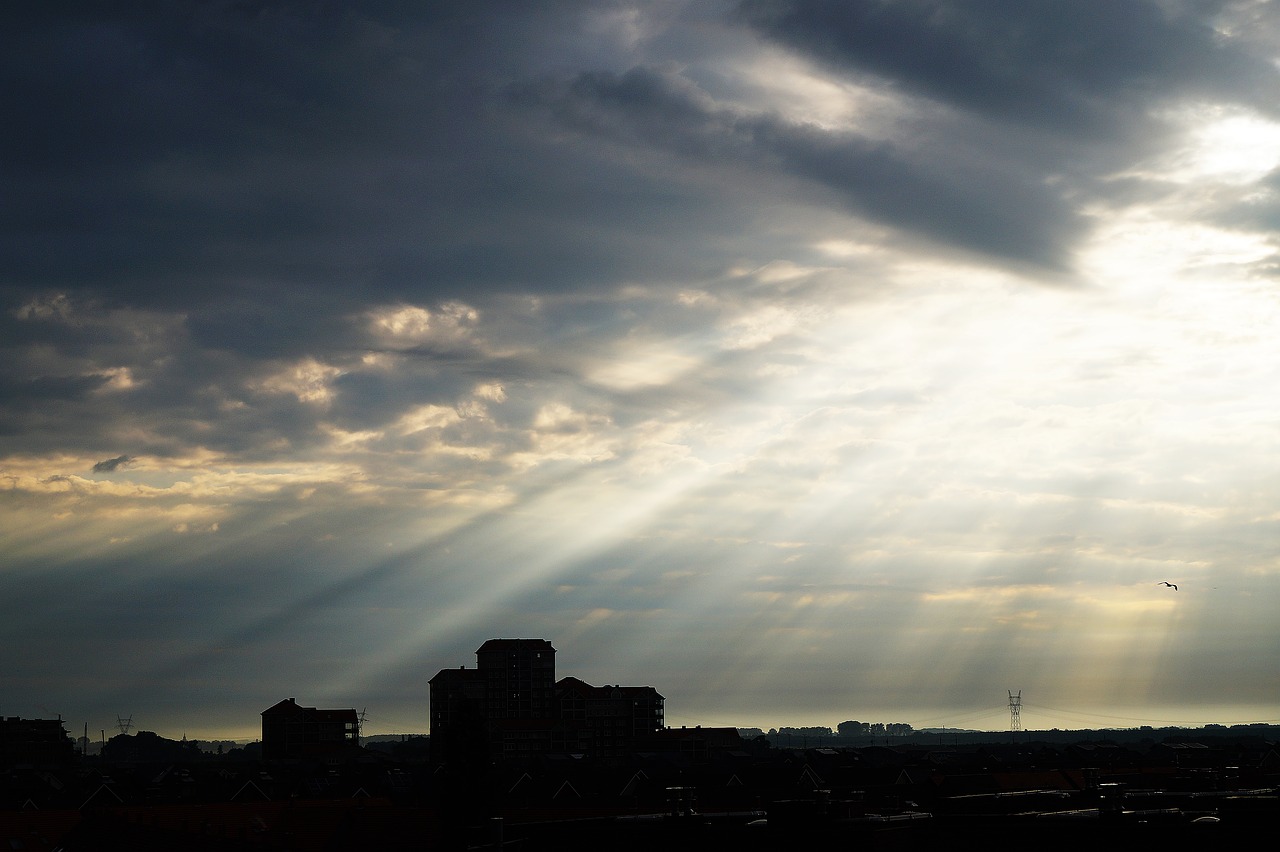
1227,145
343,439
843,248
308,380
644,364
427,417
412,325
801,93
492,391
1140,248
564,434
759,327
118,379
54,307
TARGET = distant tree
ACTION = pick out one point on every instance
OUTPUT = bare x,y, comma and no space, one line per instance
807,737
877,729
147,747
851,729
807,732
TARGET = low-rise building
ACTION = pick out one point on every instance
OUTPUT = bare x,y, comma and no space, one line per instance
34,742
292,731
606,721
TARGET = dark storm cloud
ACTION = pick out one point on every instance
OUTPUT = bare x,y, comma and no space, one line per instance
179,153
111,465
1006,211
44,389
1078,68
1009,213
255,177
182,154
191,151
189,144
260,174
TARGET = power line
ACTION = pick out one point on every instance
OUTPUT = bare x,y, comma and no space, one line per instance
1085,716
953,720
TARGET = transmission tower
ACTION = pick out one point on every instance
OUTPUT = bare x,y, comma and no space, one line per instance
1015,711
360,719
124,724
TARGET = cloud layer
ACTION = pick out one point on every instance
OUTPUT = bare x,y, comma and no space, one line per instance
805,360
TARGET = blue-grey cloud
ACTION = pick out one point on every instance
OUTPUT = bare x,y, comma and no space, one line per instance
1002,211
1078,69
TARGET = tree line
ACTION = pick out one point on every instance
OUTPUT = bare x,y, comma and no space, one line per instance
818,735
874,729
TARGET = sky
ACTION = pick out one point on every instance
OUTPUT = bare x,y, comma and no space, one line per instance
806,360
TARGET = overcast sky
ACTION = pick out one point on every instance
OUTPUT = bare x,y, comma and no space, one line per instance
807,361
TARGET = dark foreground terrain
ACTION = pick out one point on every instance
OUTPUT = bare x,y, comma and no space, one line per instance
1180,793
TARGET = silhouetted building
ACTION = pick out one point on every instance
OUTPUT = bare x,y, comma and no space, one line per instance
606,721
519,676
698,743
292,731
511,707
34,742
500,709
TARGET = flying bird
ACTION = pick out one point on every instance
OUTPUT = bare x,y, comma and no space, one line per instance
1173,586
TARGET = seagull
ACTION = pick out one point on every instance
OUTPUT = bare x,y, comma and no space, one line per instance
1173,586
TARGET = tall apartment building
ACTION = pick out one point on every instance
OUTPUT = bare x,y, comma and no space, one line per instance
519,678
510,707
